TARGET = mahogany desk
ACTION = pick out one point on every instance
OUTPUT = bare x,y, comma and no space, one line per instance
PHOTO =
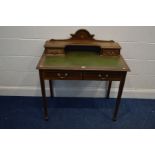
82,58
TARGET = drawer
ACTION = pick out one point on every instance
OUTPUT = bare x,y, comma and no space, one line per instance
111,52
57,51
62,75
105,75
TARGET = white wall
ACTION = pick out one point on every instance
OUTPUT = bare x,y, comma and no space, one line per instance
21,48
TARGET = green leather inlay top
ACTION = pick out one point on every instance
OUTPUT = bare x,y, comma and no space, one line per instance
87,59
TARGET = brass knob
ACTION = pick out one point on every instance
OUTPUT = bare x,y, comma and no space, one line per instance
58,74
66,74
107,75
99,75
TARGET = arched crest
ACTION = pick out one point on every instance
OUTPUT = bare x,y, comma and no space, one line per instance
82,34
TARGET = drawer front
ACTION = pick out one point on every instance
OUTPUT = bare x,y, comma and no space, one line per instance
62,75
111,52
57,51
105,75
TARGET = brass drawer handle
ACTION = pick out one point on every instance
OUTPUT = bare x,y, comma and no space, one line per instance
102,76
62,76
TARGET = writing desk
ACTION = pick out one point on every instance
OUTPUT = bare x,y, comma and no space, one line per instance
82,58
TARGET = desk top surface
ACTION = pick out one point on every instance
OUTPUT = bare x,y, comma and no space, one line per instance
83,61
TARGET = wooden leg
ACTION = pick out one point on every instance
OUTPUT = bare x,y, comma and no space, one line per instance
42,83
51,87
118,100
108,91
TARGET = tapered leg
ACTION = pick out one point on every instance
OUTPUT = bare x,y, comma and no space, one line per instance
51,87
109,87
42,83
118,100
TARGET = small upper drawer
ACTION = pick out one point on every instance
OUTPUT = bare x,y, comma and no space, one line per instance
105,75
62,75
54,51
111,52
